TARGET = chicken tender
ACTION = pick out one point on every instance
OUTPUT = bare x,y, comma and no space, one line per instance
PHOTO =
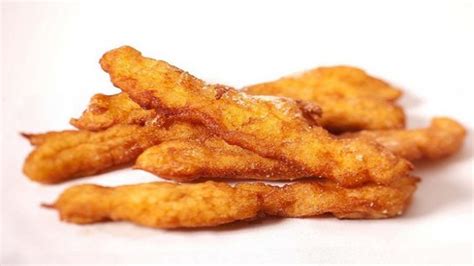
105,111
338,80
163,205
351,100
170,205
442,138
61,156
270,128
189,160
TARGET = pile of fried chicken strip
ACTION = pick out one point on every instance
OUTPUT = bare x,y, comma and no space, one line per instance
332,140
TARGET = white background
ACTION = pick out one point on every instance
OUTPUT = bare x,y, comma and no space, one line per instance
50,69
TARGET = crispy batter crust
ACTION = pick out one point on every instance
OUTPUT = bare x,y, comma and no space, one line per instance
337,80
350,99
442,138
269,127
169,205
189,160
105,111
61,156
164,205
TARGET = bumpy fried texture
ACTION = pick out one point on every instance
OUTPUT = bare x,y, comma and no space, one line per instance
442,138
170,205
163,205
304,199
188,160
338,80
270,128
61,156
350,99
105,111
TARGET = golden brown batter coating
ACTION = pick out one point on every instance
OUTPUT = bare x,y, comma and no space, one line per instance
337,80
267,126
163,205
188,160
170,205
350,99
61,156
442,138
105,111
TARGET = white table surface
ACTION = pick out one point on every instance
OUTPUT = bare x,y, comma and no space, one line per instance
50,69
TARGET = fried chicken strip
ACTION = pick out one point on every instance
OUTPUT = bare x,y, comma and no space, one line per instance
186,153
347,94
351,100
442,138
170,205
263,126
61,156
338,80
105,111
188,160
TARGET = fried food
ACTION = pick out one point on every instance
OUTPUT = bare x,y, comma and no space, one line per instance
442,138
270,128
164,205
170,205
351,100
61,156
338,80
188,160
105,111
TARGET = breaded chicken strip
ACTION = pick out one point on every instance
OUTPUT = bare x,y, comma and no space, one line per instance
193,159
105,111
442,138
170,205
347,94
351,100
345,81
266,127
187,160
61,156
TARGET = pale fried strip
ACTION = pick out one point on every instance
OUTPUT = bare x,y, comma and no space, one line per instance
350,99
170,205
442,138
269,128
61,156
